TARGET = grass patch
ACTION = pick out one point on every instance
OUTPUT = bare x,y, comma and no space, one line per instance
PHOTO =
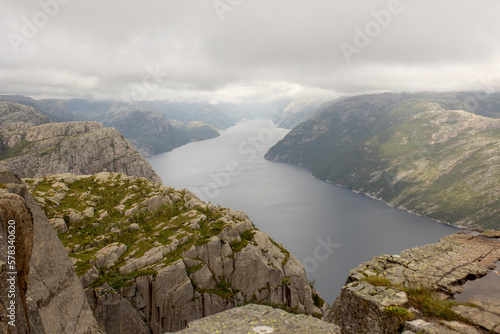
378,280
222,289
400,312
283,251
246,237
116,280
194,269
421,299
318,301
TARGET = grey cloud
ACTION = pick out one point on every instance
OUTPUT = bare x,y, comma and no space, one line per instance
262,49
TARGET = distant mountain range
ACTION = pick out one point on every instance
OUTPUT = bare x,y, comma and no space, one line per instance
56,110
432,154
150,131
152,127
31,145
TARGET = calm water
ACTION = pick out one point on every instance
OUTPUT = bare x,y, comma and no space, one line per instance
329,228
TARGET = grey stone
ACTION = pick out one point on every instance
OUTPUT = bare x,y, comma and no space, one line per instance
52,283
259,319
107,256
59,225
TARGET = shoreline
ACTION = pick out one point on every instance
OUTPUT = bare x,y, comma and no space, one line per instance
371,196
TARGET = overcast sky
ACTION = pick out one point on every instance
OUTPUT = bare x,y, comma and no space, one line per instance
246,50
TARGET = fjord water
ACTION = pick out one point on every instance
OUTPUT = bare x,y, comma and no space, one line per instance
329,228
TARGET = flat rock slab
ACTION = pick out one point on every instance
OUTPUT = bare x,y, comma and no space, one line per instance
259,319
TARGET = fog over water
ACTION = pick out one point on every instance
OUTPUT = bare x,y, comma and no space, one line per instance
329,228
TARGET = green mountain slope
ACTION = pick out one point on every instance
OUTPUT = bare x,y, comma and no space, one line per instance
408,151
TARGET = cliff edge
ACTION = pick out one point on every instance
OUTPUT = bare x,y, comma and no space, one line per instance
153,258
415,290
49,297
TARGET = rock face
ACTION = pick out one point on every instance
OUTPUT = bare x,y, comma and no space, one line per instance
412,151
80,147
259,319
56,110
414,290
164,256
50,298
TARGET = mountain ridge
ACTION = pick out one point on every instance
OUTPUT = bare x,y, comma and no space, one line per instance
392,147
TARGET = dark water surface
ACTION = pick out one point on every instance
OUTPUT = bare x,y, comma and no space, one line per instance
329,228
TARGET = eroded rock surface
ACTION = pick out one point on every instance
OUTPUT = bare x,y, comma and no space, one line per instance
383,294
49,289
32,146
170,256
259,319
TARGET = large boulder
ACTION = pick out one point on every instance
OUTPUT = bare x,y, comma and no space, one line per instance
50,298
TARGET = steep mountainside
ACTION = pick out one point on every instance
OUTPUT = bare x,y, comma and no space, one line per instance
295,112
57,110
150,131
49,298
81,147
406,150
153,258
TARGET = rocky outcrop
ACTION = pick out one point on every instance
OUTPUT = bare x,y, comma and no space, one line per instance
15,121
80,147
259,319
414,290
16,234
57,110
170,256
49,297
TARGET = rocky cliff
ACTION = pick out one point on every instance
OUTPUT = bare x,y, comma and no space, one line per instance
15,121
48,295
80,147
414,290
153,258
408,150
56,110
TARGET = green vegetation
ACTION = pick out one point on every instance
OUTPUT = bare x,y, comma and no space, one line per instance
421,298
222,289
283,251
406,151
109,200
246,237
318,301
194,268
116,280
7,153
378,280
400,312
